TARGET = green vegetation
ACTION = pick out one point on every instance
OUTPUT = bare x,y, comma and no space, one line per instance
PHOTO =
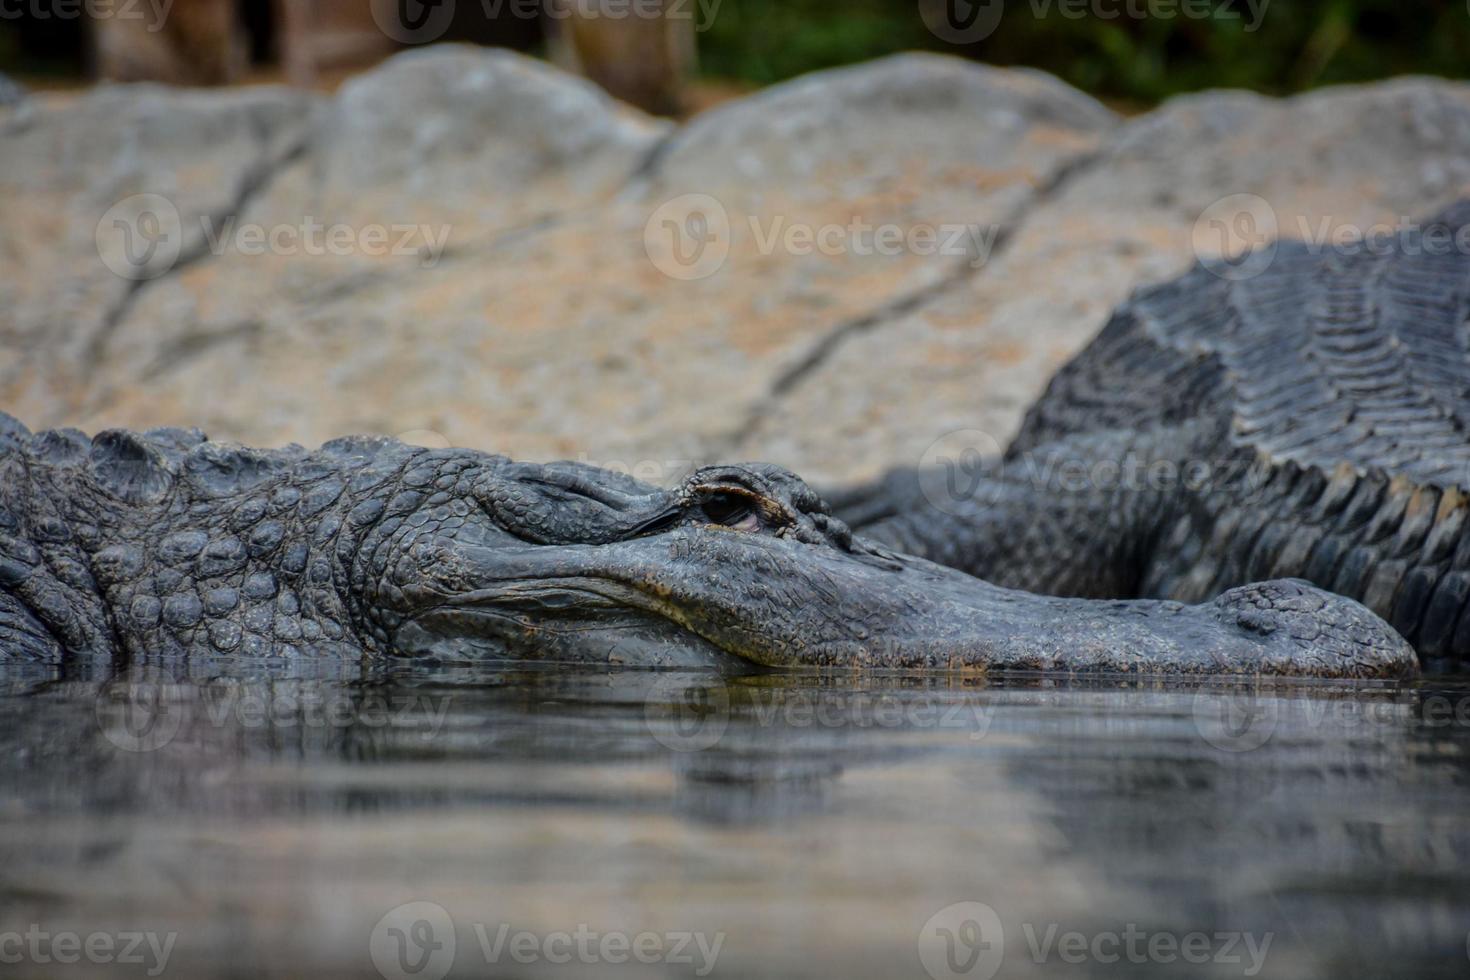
1132,56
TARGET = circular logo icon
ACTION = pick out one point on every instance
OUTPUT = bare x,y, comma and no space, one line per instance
141,712
687,715
413,21
1235,238
414,941
959,469
140,237
1235,722
962,940
688,237
961,21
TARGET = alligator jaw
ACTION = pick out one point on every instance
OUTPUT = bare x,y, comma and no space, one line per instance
695,595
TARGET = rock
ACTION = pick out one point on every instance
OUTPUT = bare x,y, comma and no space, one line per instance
11,91
460,145
962,369
547,329
78,176
578,280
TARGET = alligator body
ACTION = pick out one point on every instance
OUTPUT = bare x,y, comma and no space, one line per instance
137,548
1309,421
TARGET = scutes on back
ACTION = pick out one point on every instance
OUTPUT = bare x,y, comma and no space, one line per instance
1328,356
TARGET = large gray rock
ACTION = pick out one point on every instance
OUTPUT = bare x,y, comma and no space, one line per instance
959,371
576,279
11,91
556,323
71,168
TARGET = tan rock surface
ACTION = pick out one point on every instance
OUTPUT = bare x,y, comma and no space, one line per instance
553,325
963,368
558,275
68,169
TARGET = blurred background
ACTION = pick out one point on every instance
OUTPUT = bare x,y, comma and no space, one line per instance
709,49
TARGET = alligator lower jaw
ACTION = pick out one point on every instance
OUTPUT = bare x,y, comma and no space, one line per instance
489,633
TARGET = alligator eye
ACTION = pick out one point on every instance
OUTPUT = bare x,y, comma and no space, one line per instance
732,510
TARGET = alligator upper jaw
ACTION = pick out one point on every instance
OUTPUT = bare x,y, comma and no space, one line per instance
696,596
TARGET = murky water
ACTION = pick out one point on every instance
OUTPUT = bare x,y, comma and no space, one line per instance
544,822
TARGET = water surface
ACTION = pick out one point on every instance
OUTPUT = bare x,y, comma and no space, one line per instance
484,822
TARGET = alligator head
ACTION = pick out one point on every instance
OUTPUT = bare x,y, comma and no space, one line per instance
165,543
569,562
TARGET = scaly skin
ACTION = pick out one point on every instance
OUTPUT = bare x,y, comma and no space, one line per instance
1314,419
139,547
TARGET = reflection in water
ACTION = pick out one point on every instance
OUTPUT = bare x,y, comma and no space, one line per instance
815,825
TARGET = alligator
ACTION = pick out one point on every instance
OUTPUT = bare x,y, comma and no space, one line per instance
1266,462
1301,414
139,548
